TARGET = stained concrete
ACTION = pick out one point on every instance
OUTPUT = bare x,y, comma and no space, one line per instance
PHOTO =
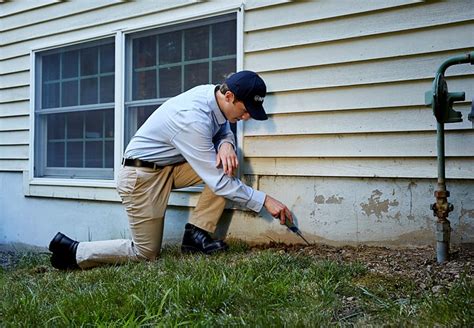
336,211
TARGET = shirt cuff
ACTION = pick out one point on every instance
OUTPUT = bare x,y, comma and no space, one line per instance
256,201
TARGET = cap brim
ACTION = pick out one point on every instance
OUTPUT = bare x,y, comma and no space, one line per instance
256,110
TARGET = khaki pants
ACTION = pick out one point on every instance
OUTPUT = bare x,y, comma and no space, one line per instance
145,193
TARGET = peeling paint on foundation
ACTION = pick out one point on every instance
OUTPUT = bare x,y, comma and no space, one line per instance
319,199
377,206
334,200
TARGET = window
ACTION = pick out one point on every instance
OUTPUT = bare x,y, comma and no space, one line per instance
74,113
165,62
75,90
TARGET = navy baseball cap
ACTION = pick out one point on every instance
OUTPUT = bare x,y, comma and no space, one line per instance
248,87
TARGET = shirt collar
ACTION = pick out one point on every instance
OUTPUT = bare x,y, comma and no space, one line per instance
212,101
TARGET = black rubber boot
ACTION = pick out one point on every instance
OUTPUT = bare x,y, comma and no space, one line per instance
64,252
196,240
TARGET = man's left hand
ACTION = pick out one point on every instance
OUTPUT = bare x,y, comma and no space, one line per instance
227,157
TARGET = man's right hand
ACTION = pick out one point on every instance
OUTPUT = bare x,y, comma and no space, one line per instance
277,209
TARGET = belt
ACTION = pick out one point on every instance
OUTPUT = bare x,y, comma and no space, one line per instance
139,163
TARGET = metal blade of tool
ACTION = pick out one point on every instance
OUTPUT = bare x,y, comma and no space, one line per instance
295,229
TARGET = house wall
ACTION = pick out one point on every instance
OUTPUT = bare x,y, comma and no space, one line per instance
349,146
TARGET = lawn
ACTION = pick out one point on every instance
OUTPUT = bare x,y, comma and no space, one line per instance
256,287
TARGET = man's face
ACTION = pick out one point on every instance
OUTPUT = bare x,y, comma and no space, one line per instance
240,112
237,110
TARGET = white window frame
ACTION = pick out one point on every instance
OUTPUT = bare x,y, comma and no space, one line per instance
156,102
41,153
96,189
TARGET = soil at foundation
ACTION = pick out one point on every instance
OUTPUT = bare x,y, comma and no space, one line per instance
417,264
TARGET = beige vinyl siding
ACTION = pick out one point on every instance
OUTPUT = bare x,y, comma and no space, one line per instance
44,13
394,94
381,21
458,168
14,65
13,165
17,79
298,12
12,123
366,48
346,88
14,137
407,144
19,108
10,8
415,118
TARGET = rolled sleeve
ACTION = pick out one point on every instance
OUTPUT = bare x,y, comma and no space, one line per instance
256,201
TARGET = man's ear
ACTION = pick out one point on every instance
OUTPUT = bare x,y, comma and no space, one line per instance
229,96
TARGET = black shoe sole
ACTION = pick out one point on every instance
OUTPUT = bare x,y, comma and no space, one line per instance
192,250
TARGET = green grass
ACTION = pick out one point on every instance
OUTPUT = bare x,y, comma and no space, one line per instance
240,288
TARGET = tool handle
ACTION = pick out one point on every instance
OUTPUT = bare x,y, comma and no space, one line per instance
288,223
291,225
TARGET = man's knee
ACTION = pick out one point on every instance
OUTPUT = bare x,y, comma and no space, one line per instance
147,253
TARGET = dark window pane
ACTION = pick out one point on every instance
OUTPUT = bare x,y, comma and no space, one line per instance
75,125
56,126
94,124
109,123
50,95
109,154
196,42
195,74
50,67
89,61
144,52
70,64
170,47
69,94
224,39
89,91
143,113
144,85
93,154
107,89
170,81
221,69
75,157
55,154
107,58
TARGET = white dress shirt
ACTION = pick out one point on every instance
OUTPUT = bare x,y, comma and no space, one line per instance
191,127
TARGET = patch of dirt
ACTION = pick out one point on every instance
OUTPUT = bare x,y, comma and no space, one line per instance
416,264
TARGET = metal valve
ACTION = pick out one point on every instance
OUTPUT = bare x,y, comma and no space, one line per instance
438,208
441,101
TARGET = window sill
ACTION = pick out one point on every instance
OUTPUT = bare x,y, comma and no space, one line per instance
100,190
